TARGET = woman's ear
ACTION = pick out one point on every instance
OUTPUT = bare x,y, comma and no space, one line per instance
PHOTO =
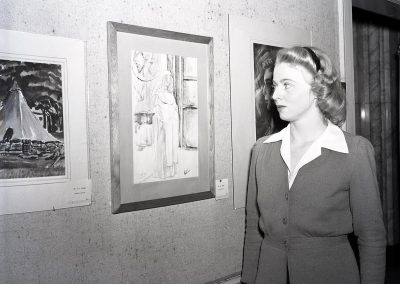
313,96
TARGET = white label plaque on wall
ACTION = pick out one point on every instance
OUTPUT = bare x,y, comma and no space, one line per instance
221,189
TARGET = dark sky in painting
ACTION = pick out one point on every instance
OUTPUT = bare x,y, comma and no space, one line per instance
38,81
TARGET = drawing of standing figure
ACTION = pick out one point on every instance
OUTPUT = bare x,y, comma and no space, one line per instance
166,129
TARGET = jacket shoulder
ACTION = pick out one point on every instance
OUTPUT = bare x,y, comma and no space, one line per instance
260,142
356,143
261,147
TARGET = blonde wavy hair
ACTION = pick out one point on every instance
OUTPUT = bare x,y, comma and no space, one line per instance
326,84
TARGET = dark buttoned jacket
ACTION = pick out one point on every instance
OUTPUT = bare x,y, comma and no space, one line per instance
302,232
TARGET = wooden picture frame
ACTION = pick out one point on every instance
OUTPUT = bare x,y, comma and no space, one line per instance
161,117
244,33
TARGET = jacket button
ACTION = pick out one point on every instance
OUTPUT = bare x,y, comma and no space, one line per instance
285,243
286,196
284,221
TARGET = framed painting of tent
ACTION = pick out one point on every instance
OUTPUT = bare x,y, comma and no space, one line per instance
252,50
42,146
161,91
31,122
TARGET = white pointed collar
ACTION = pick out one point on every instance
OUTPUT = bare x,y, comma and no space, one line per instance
332,138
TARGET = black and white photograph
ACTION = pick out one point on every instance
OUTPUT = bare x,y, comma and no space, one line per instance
200,142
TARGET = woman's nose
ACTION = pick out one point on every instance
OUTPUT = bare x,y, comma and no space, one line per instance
276,94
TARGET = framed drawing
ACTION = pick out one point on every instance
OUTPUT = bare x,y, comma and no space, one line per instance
161,106
43,148
253,47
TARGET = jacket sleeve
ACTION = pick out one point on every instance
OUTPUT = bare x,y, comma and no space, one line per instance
367,214
253,236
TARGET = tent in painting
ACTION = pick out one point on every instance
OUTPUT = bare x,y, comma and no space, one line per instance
17,115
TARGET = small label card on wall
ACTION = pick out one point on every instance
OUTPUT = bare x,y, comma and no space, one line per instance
78,193
221,189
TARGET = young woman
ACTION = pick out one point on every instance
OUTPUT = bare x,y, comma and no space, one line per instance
311,184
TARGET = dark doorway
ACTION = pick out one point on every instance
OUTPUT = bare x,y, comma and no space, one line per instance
376,42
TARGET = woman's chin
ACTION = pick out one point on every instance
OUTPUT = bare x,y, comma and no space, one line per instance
284,117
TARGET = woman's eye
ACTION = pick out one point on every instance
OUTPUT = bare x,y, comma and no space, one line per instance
287,85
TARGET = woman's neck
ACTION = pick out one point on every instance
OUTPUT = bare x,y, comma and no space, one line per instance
307,131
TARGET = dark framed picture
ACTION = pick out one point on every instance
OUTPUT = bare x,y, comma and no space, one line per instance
161,106
253,46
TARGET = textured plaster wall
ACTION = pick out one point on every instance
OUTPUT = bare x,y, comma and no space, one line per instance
188,243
